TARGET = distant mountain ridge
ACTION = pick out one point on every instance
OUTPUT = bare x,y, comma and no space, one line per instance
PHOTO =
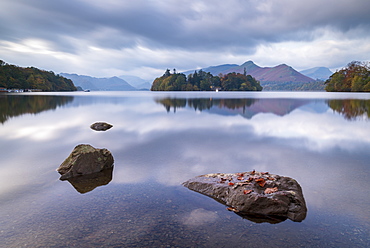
277,78
320,73
137,82
280,73
97,84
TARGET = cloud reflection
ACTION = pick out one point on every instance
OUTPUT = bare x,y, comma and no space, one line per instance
199,217
307,142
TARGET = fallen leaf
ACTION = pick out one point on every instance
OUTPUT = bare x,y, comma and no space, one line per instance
261,182
233,209
231,184
247,191
240,178
271,190
253,172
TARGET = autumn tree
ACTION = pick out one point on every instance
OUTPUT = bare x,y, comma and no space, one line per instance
353,78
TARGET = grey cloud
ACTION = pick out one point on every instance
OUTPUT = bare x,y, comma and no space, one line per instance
219,25
181,34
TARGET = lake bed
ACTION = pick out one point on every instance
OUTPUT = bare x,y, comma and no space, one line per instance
161,139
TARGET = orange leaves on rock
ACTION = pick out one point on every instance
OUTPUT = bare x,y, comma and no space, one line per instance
240,178
233,209
240,174
261,182
253,172
271,190
231,183
246,192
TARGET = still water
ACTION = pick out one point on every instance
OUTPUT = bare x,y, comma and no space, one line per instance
158,141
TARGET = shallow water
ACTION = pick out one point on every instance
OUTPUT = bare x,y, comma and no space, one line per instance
160,140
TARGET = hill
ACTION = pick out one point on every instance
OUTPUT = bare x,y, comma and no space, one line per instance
137,82
97,84
281,77
320,73
214,70
31,78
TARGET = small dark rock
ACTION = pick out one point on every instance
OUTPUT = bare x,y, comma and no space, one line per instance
85,160
254,194
100,126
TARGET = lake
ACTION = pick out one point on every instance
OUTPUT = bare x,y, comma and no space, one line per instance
161,139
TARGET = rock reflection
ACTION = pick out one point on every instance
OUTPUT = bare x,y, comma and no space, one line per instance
87,183
263,218
247,107
16,105
351,109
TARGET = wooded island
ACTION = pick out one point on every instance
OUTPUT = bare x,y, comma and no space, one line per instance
205,81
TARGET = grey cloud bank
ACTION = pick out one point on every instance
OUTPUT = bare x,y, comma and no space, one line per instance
143,38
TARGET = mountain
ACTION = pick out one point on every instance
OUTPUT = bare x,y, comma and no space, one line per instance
96,84
214,70
137,82
320,73
281,77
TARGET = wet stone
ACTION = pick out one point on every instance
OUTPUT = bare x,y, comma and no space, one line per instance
257,196
100,126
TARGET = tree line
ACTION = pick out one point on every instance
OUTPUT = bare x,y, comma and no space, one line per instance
353,78
15,77
205,81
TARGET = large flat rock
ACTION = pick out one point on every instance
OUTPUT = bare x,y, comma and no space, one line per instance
253,193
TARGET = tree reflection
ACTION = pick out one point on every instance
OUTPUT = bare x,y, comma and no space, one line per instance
247,107
351,109
16,105
204,103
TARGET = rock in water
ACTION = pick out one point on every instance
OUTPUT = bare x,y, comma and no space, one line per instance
253,193
100,126
85,160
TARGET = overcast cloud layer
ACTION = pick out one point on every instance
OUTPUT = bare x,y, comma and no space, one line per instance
144,37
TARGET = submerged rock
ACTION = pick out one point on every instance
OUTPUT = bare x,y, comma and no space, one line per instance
254,194
85,160
100,126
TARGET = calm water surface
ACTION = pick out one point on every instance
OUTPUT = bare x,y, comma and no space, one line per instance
160,140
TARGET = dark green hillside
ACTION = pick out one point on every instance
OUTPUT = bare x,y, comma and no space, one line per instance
14,77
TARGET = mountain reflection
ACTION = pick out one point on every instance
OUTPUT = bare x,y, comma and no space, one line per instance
16,105
351,109
247,107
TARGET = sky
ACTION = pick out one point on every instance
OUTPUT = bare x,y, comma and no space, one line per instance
145,37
